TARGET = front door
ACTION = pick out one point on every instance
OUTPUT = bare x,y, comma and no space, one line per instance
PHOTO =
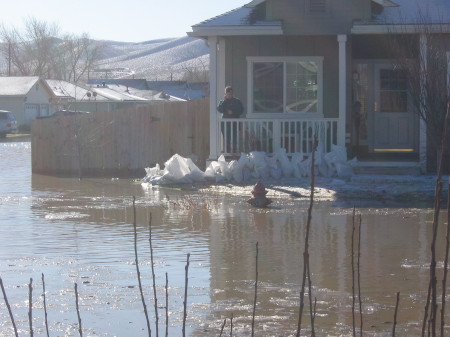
394,122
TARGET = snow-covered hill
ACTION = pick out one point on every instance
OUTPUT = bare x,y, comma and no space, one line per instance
164,59
182,58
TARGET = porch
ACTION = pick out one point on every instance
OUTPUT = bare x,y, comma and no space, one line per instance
296,135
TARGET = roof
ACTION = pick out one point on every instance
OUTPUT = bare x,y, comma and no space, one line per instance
125,93
64,89
415,11
116,95
240,21
180,89
152,90
407,14
140,84
17,86
244,20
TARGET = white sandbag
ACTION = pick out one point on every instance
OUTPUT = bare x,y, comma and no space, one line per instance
337,155
152,173
244,161
214,171
285,164
224,169
175,169
305,167
296,160
180,169
210,172
236,171
258,162
155,180
246,173
274,167
321,167
195,173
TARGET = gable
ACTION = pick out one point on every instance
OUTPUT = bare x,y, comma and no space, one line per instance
318,17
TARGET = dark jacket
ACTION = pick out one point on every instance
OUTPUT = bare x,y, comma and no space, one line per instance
232,104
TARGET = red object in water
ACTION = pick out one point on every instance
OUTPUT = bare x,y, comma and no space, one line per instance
259,196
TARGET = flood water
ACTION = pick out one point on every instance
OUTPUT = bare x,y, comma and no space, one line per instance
81,232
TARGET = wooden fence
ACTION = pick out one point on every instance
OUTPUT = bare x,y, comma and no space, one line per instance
120,143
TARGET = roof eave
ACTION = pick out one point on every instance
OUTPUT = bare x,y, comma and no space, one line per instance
400,28
201,32
254,3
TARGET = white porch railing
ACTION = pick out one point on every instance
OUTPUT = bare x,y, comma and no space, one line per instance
269,135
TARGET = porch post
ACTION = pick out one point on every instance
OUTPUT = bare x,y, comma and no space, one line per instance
342,39
221,80
212,43
423,126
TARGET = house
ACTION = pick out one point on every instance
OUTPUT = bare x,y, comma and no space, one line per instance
95,98
136,83
177,90
182,89
321,68
137,88
28,97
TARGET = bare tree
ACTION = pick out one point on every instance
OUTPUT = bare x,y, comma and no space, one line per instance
39,42
423,57
196,70
40,50
11,50
80,55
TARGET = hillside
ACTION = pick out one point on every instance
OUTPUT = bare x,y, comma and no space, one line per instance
164,59
182,58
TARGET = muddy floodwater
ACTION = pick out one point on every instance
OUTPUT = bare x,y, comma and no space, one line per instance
81,232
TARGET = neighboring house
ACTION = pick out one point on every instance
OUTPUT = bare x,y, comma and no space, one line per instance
28,97
177,90
70,96
306,68
151,96
181,89
140,84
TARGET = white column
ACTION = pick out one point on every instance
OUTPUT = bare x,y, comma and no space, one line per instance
213,120
342,39
221,80
423,126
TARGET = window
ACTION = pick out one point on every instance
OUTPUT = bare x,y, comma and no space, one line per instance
393,91
285,85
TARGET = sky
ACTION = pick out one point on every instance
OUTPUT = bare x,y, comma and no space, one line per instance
119,20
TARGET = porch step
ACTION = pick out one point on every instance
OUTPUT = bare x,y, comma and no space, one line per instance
387,168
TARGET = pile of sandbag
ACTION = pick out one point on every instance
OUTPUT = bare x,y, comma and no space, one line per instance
254,166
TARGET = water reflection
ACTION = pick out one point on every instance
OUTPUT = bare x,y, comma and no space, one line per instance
81,231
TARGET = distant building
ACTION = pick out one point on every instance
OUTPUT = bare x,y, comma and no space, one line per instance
177,90
181,89
28,97
101,97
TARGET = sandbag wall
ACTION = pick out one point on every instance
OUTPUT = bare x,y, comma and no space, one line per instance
120,143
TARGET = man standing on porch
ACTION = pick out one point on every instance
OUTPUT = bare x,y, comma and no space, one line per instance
230,107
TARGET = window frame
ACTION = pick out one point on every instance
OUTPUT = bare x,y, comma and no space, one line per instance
284,59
